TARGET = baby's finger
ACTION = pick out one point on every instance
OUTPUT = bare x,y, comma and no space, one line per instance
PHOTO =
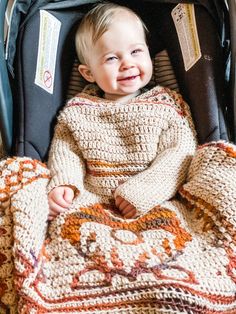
123,205
118,201
51,217
56,208
131,214
127,209
59,199
68,195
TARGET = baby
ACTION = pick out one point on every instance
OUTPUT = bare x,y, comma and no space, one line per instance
113,53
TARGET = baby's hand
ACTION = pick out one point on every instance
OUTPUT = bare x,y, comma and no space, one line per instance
126,209
59,199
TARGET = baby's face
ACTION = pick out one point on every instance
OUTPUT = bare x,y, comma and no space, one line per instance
120,62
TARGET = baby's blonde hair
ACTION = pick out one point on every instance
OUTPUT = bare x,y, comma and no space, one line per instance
95,23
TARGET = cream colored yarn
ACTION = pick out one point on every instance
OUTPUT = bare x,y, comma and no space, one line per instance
147,144
177,256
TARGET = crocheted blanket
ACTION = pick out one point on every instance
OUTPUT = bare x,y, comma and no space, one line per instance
179,257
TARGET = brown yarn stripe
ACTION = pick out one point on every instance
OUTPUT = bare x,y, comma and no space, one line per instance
168,302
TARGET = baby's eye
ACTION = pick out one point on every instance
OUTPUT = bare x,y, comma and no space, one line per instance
111,58
136,51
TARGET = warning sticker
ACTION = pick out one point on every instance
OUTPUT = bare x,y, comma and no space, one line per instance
184,18
47,51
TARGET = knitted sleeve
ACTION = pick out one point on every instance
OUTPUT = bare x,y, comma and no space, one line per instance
65,161
167,172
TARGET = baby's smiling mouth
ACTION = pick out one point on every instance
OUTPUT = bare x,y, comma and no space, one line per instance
128,78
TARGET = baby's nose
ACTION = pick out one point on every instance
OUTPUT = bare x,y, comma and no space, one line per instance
127,64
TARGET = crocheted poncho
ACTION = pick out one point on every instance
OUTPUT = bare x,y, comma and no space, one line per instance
177,256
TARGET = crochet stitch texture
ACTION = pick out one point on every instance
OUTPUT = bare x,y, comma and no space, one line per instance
147,144
178,256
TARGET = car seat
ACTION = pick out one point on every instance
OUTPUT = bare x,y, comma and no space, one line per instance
28,120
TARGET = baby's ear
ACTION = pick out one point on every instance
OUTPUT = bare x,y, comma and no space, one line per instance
84,70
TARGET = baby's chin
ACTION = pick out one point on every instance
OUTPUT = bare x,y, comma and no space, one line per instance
121,97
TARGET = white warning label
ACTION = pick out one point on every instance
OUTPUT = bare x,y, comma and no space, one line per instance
47,51
184,19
